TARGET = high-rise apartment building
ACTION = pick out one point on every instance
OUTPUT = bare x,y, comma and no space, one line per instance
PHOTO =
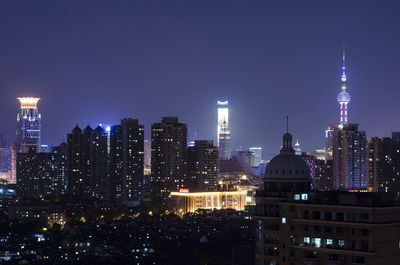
28,125
42,175
223,131
168,156
127,161
383,165
203,166
87,166
349,158
99,181
79,162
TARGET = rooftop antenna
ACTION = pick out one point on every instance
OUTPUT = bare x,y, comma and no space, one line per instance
287,124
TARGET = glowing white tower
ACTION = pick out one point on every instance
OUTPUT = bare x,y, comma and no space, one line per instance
223,132
343,98
28,125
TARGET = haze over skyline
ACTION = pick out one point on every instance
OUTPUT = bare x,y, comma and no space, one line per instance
99,62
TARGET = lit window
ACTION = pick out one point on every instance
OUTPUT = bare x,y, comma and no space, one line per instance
341,243
306,240
317,242
283,220
329,242
304,196
297,197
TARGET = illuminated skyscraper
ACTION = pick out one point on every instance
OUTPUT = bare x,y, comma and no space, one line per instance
28,125
223,132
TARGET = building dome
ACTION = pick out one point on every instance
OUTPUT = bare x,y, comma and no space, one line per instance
343,97
287,166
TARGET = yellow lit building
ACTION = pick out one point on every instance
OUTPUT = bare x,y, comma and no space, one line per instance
191,201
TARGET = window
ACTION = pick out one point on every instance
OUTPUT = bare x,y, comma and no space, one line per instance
329,242
341,243
283,220
297,197
317,242
306,240
304,196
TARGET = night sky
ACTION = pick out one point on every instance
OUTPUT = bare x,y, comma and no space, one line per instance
100,61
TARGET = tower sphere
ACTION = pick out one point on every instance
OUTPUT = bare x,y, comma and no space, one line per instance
343,97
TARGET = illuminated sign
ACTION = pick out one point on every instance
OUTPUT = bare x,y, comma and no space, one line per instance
183,190
222,103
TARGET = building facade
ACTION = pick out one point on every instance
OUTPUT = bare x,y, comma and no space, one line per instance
203,166
189,202
42,175
383,165
323,179
87,164
168,156
127,161
349,158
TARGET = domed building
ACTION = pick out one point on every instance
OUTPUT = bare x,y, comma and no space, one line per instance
287,179
287,172
296,225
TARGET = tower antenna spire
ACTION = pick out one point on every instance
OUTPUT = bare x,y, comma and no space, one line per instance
344,77
287,123
343,98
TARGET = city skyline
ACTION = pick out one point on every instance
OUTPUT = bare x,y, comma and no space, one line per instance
200,132
254,81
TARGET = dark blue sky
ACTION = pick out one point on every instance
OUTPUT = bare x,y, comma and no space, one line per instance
99,61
